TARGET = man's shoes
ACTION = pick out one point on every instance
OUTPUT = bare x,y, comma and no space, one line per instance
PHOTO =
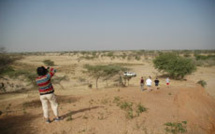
57,119
48,121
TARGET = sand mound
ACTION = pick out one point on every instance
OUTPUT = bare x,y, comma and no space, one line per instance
198,106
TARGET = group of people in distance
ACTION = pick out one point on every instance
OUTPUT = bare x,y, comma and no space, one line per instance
148,83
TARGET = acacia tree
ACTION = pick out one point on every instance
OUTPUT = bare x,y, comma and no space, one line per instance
177,67
103,71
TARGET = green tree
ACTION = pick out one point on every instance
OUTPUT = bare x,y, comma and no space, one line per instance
176,67
103,71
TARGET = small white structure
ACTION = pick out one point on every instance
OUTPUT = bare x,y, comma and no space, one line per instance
130,74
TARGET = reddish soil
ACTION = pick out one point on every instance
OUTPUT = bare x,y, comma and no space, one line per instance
91,111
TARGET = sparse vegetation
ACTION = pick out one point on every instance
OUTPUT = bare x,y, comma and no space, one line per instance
202,83
12,73
116,99
187,55
129,107
6,61
48,62
140,109
87,57
126,105
110,54
204,57
204,60
176,127
137,57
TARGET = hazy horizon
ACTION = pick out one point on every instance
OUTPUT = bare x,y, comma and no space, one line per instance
68,25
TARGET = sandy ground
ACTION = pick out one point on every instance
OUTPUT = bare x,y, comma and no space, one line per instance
97,111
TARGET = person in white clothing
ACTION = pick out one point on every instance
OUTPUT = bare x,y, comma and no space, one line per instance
149,83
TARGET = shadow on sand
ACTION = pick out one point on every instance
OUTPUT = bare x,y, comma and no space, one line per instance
17,124
79,111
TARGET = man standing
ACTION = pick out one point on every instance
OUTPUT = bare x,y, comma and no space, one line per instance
149,83
156,83
46,91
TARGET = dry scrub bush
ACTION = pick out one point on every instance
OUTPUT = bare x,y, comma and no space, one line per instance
202,83
48,62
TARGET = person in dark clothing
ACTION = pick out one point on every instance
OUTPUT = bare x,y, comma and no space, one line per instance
141,84
156,83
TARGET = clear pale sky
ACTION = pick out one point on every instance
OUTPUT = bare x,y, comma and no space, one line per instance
70,25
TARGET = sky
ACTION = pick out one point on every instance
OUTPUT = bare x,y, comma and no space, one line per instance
85,25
